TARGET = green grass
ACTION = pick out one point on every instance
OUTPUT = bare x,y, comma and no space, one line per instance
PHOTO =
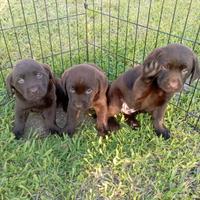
128,164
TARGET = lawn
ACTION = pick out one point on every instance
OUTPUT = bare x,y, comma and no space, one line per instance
129,164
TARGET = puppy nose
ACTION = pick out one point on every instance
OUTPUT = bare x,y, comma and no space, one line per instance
174,84
33,89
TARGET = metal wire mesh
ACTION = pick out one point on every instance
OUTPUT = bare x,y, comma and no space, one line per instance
112,33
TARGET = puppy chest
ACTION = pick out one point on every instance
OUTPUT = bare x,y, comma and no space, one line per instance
39,106
152,101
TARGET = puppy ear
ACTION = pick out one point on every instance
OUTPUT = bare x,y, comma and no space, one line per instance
195,73
102,85
48,70
9,84
64,79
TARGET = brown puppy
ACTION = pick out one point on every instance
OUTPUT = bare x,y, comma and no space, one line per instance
36,90
86,86
148,87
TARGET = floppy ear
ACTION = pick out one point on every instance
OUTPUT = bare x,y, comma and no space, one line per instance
102,85
64,80
9,84
195,73
48,70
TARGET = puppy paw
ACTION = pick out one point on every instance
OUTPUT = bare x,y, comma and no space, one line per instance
55,130
70,131
18,134
134,124
113,125
164,133
151,69
102,131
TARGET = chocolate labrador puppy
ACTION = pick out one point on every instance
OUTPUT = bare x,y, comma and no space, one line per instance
36,90
86,86
149,87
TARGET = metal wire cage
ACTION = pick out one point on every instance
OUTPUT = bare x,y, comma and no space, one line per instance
115,34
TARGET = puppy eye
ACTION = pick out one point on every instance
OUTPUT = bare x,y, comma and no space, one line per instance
39,75
72,90
88,91
21,81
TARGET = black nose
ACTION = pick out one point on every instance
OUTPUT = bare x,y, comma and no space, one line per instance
174,84
33,90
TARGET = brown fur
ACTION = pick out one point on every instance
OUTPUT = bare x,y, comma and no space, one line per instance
36,90
86,86
149,87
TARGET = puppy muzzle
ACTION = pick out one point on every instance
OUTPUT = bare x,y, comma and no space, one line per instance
35,93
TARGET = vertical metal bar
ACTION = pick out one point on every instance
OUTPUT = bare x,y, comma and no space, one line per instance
50,41
117,42
8,94
160,19
77,31
86,30
145,40
13,24
136,32
195,41
8,53
69,35
179,98
101,31
198,120
173,17
109,38
94,37
59,35
38,30
186,21
195,87
126,34
190,103
27,31
181,40
7,49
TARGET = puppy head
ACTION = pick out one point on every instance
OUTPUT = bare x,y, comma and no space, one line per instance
84,84
176,63
29,79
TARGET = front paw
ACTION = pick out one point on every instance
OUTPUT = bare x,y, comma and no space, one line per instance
102,131
165,133
70,131
113,125
55,130
151,69
18,133
134,124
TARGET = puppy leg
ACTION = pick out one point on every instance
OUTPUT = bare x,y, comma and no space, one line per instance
49,116
19,124
131,120
113,109
160,129
100,107
72,118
